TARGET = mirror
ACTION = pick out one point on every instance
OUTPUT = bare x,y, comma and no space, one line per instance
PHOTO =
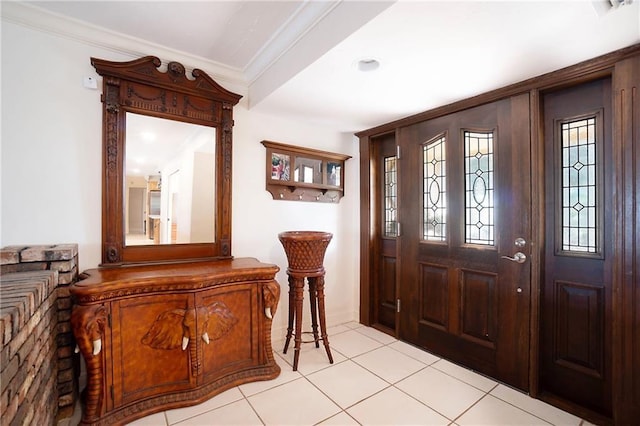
167,145
295,173
334,172
169,176
280,166
308,170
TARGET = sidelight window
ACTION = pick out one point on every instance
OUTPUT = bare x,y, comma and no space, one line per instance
434,206
579,185
479,190
390,197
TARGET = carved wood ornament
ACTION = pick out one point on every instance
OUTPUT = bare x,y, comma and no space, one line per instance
139,86
162,336
178,328
88,323
170,325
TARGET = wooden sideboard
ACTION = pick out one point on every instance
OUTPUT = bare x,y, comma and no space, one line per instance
156,337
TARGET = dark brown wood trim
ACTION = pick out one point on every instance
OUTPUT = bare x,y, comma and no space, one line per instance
176,97
626,276
590,416
145,71
288,187
175,301
537,233
624,68
365,230
584,71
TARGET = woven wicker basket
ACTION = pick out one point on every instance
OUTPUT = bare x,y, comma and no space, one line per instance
305,249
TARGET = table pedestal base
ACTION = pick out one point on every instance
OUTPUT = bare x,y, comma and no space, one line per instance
316,300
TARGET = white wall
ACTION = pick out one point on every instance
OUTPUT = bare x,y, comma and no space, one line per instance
132,182
51,143
257,218
202,198
51,166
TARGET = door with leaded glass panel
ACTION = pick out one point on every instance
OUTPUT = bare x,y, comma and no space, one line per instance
576,296
384,300
465,243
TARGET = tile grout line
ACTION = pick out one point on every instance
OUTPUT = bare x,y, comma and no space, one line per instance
389,384
486,393
522,409
421,402
246,398
470,407
349,358
496,383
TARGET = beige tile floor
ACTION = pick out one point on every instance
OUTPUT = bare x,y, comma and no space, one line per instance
375,380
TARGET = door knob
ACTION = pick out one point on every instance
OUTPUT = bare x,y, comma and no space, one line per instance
519,257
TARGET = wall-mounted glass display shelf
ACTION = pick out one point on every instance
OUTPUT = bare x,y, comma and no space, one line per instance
303,174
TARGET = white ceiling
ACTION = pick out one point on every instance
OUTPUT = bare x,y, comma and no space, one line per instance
154,144
299,57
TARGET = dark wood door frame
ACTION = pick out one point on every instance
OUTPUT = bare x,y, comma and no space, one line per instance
623,66
576,362
369,231
481,316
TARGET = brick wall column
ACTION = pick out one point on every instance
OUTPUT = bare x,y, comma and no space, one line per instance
63,260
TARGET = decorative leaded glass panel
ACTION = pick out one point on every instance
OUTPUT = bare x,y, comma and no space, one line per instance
479,193
434,188
579,186
390,197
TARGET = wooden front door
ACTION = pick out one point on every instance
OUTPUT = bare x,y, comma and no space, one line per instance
465,237
386,224
576,297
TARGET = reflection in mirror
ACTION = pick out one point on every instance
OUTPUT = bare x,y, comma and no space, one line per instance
280,166
334,171
308,170
169,182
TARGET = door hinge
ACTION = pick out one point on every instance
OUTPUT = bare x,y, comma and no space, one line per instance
398,230
109,319
397,152
398,305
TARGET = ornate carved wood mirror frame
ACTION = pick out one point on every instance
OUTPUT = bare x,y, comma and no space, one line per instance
139,87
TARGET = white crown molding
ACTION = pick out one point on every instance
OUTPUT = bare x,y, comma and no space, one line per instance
325,28
300,23
42,20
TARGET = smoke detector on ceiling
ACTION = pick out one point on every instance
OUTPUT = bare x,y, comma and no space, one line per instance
368,64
